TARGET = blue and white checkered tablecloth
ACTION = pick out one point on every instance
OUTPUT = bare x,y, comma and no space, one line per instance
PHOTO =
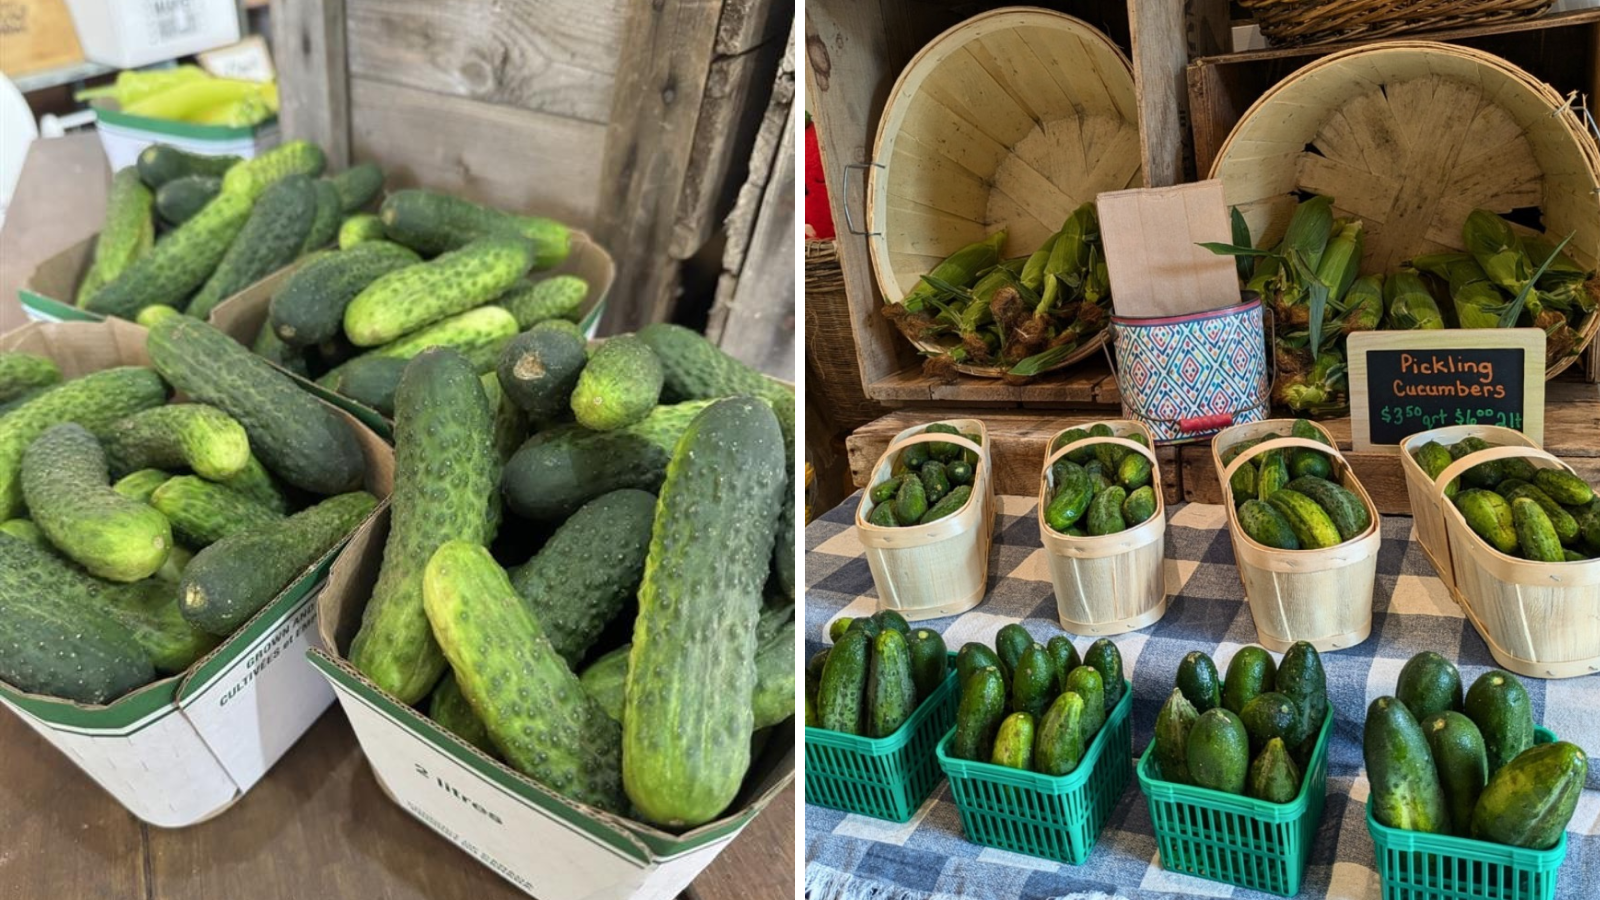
851,857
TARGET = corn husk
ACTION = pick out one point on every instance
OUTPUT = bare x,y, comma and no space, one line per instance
1410,305
1363,305
1341,262
1479,305
960,269
1309,231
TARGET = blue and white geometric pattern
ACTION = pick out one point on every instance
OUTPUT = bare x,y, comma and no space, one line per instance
1188,367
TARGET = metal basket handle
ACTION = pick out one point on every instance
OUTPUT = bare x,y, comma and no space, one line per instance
844,199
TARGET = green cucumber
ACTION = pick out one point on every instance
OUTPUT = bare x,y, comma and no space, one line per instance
1498,704
1273,776
588,570
978,714
371,381
410,298
1250,673
1305,463
1271,716
22,372
1563,523
930,662
271,238
1173,724
540,368
693,368
323,227
25,530
1011,642
1348,514
910,502
230,581
158,164
1272,473
1489,516
309,307
180,435
1085,681
127,234
935,483
1065,657
1462,764
883,516
445,467
432,223
1301,678
479,335
1265,525
1405,783
685,730
1535,535
1482,475
974,656
258,484
251,179
1105,512
884,491
1218,752
890,619
1106,659
202,513
1059,743
1199,681
606,678
177,264
534,709
1033,683
1429,684
69,496
269,347
949,504
1242,484
891,692
1072,495
1311,524
1013,743
1072,436
177,201
943,451
1139,506
361,228
842,693
1563,486
1433,457
560,297
357,186
619,386
1529,802
1133,472
449,709
301,439
141,485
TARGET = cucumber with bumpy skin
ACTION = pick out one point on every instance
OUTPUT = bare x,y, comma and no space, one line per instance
451,711
1405,784
179,435
141,485
128,232
445,474
21,372
159,164
69,495
539,369
533,707
361,228
619,386
324,225
202,513
180,199
408,299
357,186
309,307
251,178
432,223
695,369
271,238
178,263
560,297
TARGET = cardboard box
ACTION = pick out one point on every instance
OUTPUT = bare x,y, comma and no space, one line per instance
545,844
132,33
184,748
242,315
35,35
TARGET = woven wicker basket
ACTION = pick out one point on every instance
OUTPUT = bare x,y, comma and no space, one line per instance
1410,137
1293,22
1010,120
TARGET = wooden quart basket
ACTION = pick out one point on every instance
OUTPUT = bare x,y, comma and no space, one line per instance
1295,22
1012,120
1539,619
1321,596
1410,137
941,568
1428,502
1110,583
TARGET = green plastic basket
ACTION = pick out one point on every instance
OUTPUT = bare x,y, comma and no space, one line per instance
1057,817
887,777
1233,838
1418,866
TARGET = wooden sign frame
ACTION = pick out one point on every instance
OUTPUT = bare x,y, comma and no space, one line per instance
1530,340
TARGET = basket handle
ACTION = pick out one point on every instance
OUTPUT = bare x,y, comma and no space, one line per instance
844,200
1278,444
1118,441
979,474
1489,455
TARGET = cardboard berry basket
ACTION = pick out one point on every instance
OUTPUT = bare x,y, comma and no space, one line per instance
182,749
1538,618
1322,596
1109,583
242,315
940,568
547,845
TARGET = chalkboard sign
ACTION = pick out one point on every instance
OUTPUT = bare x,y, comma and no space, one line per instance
1403,382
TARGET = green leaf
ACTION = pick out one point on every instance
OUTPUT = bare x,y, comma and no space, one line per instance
1040,362
1241,238
1222,249
1508,318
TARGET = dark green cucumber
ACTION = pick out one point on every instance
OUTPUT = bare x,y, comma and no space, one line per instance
323,227
1059,743
948,505
935,483
1218,752
269,347
1536,536
1173,724
309,308
1105,512
1250,672
772,701
974,656
45,606
1034,682
1489,516
910,501
1482,475
1085,681
180,199
890,619
302,440
1305,463
1013,742
432,223
203,513
842,693
696,369
930,662
978,714
1405,784
149,610
1429,684
1300,677
1072,495
445,467
1461,762
179,435
1565,525
69,496
1107,660
128,232
531,302
160,163
539,369
1498,704
258,484
1265,525
271,238
1344,508
231,580
357,186
1139,506
1273,776
1529,802
588,570
891,692
1563,487
619,385
1433,457
449,709
1269,716
371,381
838,627
1065,657
94,401
534,709
1198,679
408,299
22,372
1011,642
687,722
883,516
1242,484
177,264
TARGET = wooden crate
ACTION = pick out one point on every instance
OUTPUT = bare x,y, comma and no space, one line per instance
625,119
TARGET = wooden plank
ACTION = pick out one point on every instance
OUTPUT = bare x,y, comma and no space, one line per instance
649,138
1017,442
65,837
559,57
308,45
1538,23
1088,384
760,863
467,147
1160,52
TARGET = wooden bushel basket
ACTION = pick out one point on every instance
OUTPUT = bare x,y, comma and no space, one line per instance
941,568
1410,137
1539,619
1011,120
1428,502
1110,583
1321,596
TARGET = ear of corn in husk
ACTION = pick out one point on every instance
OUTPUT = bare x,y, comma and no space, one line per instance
1410,305
1341,261
1322,386
1309,231
1363,305
960,268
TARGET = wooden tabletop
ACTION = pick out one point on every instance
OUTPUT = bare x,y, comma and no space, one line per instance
316,826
